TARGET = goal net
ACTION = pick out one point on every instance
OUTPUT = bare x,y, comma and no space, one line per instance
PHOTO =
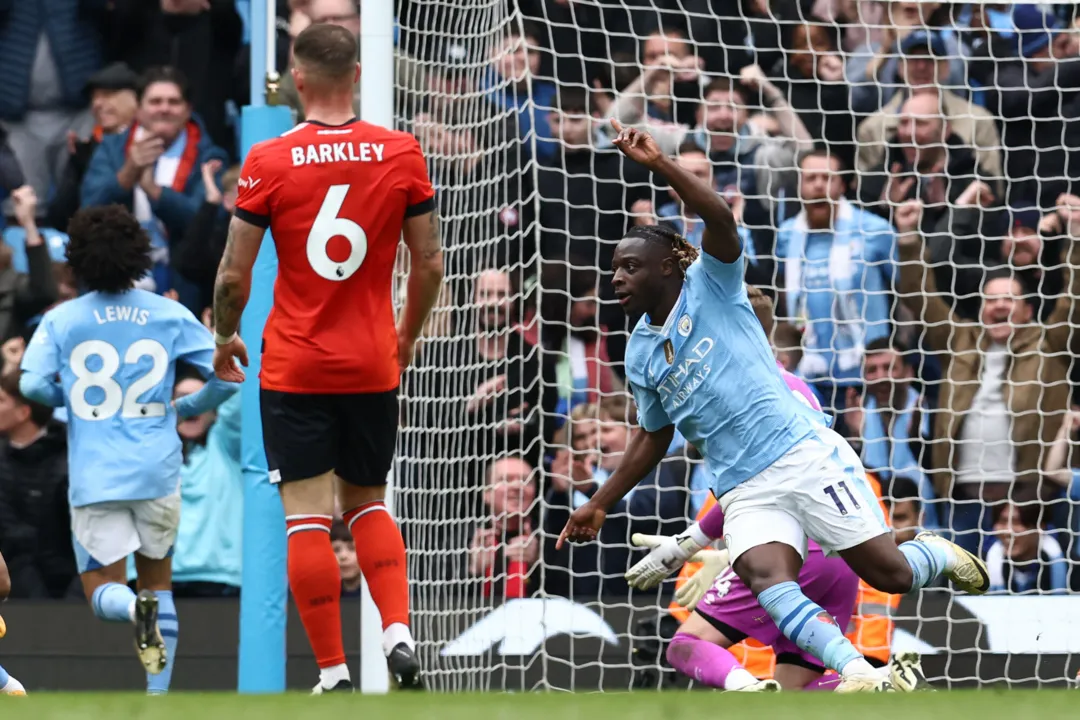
902,177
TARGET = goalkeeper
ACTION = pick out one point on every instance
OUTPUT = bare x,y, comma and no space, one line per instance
725,612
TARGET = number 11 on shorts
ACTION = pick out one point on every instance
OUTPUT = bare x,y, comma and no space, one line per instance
831,492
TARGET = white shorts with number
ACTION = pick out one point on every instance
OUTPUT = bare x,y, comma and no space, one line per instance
817,490
107,532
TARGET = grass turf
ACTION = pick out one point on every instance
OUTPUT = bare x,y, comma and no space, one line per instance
1043,705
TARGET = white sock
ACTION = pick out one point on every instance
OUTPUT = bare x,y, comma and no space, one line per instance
859,667
331,676
738,679
396,634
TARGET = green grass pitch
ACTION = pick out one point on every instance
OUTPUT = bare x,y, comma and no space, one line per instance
1039,705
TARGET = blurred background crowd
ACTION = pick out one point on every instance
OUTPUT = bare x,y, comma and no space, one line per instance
904,175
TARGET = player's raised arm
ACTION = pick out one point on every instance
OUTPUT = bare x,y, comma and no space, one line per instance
231,290
721,236
424,240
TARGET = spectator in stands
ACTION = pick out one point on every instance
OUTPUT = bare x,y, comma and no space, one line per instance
573,335
660,504
196,255
24,296
1024,558
35,536
515,89
969,239
877,71
352,580
208,543
202,39
1062,467
926,66
113,103
466,399
154,169
736,145
410,75
1037,97
836,265
890,423
48,50
904,509
1006,387
586,188
814,85
924,159
669,65
504,548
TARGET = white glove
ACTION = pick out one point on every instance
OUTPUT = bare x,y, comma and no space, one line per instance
667,555
713,562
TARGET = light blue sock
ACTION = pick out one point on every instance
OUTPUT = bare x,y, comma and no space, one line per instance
169,626
927,562
799,618
4,677
113,601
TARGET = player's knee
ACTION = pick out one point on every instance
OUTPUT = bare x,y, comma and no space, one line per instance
5,584
759,576
356,495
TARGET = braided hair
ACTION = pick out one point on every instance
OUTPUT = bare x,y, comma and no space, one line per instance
682,251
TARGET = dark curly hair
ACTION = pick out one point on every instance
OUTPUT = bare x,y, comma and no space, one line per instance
683,252
107,249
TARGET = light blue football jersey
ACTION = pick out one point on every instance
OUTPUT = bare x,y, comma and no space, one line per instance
710,371
115,358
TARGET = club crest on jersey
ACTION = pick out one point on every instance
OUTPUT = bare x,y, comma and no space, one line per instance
685,326
669,352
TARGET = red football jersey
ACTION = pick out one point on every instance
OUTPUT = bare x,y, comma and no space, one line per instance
334,198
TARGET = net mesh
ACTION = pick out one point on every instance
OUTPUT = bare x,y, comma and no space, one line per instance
940,335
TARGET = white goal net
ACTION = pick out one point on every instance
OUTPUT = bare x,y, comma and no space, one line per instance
903,177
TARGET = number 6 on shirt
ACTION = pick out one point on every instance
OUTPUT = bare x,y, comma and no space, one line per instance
328,225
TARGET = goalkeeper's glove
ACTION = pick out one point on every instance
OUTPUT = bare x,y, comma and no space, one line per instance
667,555
713,562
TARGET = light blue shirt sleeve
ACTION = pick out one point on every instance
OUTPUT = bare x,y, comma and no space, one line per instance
726,278
651,413
194,344
40,366
212,394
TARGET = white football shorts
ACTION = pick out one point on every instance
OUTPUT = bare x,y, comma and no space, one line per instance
818,489
105,533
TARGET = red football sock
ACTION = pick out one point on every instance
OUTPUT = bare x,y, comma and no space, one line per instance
380,551
315,582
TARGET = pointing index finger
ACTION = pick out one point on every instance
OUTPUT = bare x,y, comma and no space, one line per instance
616,125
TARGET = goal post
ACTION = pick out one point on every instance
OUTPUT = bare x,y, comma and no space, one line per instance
263,602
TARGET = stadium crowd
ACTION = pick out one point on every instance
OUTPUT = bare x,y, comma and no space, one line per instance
902,172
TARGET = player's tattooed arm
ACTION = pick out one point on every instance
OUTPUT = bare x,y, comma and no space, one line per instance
233,284
423,237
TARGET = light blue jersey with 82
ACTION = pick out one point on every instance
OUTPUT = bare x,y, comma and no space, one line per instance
710,372
116,357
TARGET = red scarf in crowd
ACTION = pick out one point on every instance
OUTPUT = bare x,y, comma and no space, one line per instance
188,161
